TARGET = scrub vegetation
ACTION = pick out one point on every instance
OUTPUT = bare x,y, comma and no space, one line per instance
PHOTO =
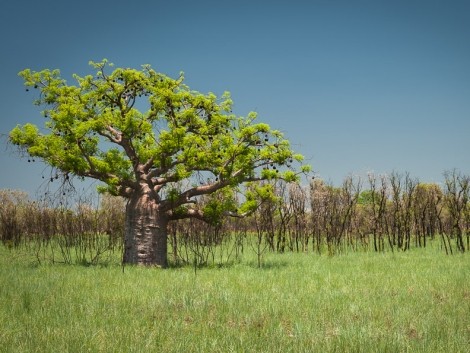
382,213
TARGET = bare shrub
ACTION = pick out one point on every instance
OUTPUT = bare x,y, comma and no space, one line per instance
13,210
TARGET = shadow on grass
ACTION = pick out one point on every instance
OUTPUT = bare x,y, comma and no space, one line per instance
202,266
268,265
265,265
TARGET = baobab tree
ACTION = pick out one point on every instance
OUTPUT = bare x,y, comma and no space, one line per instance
152,140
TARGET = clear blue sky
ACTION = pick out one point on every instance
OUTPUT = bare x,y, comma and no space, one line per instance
356,86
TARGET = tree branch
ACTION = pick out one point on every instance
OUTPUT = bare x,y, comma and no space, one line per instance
189,213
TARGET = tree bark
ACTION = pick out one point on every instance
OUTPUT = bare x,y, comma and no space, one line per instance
145,238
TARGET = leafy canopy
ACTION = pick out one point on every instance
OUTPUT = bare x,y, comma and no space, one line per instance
139,130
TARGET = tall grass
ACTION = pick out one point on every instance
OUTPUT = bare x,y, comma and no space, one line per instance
417,301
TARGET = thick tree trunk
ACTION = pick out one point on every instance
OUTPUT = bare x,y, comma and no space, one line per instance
145,238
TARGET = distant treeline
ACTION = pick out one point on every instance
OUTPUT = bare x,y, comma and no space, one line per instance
378,213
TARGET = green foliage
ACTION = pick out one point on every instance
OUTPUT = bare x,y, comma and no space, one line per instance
256,194
217,204
133,129
365,197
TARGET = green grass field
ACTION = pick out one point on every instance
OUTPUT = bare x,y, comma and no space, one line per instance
418,301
